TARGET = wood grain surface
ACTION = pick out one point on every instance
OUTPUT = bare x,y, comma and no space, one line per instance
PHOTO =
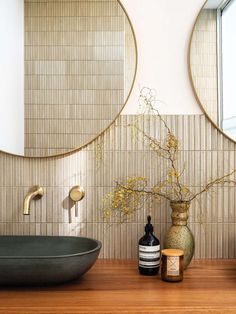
114,286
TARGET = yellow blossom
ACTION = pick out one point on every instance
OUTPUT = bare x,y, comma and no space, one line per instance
173,173
184,189
107,213
126,210
172,142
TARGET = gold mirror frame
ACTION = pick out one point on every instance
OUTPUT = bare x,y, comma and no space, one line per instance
192,82
69,152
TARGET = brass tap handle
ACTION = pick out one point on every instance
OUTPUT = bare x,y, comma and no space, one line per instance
77,193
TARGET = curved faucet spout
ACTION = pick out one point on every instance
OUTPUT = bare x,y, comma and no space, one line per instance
34,192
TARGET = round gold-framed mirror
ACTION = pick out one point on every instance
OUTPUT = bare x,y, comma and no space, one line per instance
212,63
78,62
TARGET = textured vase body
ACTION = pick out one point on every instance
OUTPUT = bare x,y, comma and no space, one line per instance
179,236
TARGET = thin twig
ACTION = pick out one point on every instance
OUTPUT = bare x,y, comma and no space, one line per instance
142,191
216,182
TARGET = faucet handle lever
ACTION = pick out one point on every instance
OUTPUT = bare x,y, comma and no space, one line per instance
77,193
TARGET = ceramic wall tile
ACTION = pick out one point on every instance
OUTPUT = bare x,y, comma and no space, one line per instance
116,155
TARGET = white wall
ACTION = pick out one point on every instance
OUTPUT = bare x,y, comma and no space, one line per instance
163,29
12,76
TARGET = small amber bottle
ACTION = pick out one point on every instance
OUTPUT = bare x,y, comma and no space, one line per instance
172,265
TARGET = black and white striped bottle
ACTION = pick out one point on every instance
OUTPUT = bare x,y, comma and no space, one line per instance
149,252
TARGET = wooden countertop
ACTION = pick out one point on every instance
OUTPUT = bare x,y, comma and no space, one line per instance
116,287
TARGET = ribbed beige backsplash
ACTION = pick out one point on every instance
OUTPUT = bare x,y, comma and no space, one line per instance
205,152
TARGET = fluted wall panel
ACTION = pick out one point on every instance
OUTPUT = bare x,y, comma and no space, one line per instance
205,153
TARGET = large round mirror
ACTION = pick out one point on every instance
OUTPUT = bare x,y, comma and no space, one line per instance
213,63
67,69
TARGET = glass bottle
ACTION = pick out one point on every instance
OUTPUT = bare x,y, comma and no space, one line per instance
149,252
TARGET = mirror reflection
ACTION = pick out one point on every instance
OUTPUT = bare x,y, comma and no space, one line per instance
213,62
67,69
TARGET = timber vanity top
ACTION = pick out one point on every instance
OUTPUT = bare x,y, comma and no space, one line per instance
116,287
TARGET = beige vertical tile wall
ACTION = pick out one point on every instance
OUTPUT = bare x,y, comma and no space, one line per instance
74,72
205,152
204,61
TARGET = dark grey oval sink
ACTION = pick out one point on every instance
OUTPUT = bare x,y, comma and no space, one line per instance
38,260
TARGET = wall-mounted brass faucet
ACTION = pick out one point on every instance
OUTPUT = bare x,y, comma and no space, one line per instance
77,193
35,192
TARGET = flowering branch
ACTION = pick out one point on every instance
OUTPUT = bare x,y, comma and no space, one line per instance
129,196
217,181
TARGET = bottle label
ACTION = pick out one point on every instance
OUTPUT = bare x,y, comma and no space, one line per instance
149,256
154,248
172,265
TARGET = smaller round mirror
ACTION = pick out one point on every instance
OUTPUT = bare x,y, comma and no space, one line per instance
213,64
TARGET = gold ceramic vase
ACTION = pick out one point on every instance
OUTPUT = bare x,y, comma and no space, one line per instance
179,236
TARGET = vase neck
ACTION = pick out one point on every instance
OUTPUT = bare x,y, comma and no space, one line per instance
179,214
